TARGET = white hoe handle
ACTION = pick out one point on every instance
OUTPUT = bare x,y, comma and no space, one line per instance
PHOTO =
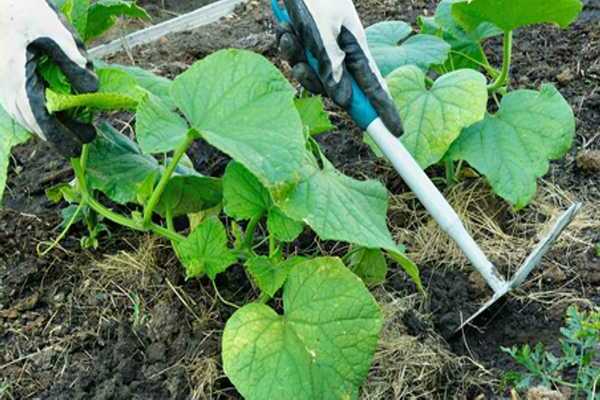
434,202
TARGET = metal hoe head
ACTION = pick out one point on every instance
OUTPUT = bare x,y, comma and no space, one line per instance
530,263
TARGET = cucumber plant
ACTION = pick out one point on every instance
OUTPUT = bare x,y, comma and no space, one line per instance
279,179
277,184
439,82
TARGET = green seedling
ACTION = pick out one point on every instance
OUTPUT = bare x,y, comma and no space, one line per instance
443,92
577,368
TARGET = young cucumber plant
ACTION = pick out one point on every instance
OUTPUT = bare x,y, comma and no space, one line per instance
277,183
447,120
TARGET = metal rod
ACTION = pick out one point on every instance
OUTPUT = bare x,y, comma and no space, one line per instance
202,16
434,202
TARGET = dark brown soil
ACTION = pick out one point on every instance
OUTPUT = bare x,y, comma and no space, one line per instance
75,326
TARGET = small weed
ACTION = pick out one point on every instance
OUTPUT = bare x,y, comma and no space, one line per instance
577,368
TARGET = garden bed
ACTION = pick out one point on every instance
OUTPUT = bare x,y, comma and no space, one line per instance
122,323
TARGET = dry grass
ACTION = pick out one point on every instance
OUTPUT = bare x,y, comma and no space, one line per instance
141,281
505,236
423,367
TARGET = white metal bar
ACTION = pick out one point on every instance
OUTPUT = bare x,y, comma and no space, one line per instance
434,202
202,16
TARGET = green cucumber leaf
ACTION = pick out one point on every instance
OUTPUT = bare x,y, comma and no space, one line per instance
118,90
56,102
433,118
53,76
466,51
243,195
340,208
283,227
368,264
242,105
76,12
313,115
116,165
155,84
320,348
513,147
512,14
205,251
270,274
11,134
189,192
246,198
408,265
114,80
118,168
392,47
157,128
103,15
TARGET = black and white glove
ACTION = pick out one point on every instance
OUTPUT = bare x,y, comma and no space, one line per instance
29,30
331,30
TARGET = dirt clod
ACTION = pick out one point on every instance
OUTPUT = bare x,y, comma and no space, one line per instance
565,76
589,160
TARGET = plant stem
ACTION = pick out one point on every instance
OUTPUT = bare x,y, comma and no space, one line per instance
506,61
87,198
169,218
263,298
272,245
450,171
250,229
63,233
164,180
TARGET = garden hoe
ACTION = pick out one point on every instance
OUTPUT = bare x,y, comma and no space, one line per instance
365,116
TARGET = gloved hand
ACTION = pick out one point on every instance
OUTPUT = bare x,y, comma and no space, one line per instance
332,31
30,29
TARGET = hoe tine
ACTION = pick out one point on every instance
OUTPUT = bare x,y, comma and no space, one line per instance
531,262
545,245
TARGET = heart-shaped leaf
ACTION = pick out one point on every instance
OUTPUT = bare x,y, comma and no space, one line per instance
241,104
320,348
157,128
369,264
118,168
512,14
513,147
283,227
270,274
189,192
116,165
205,251
244,196
157,85
103,15
313,115
433,118
392,47
467,51
338,207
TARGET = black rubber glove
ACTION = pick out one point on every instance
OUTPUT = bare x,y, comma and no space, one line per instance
30,30
331,30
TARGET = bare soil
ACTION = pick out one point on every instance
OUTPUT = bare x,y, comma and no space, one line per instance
120,322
